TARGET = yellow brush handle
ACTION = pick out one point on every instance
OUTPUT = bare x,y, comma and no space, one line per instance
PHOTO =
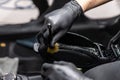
53,50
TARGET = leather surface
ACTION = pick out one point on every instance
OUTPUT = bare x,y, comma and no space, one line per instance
108,71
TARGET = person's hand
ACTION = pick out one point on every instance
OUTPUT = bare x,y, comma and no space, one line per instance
58,22
62,71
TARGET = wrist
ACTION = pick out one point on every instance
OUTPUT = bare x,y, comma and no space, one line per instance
89,4
85,4
74,8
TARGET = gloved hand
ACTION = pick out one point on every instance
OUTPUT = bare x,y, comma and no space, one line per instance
62,71
58,22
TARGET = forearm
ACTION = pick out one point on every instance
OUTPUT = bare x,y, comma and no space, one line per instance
89,4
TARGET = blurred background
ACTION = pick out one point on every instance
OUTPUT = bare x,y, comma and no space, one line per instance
21,11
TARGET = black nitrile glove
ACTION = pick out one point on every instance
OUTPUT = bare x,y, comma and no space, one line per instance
58,22
62,71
